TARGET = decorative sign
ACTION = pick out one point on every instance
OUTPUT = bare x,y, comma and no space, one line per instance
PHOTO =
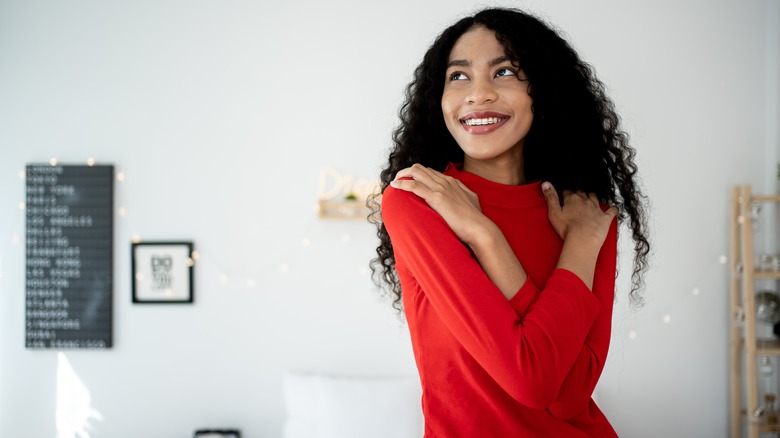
162,272
344,196
70,231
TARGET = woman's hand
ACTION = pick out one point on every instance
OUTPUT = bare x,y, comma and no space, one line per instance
579,213
454,202
459,207
582,225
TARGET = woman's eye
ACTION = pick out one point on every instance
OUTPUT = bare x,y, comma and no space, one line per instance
505,72
458,76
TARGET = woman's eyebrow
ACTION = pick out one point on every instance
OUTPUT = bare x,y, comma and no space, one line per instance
466,63
500,60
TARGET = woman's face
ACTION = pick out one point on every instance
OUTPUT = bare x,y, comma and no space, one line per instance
485,102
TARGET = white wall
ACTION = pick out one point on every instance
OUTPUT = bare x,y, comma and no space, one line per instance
222,114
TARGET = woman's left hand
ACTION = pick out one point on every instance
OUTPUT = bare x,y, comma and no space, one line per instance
449,197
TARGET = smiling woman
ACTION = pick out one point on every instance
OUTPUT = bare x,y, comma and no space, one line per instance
486,105
498,230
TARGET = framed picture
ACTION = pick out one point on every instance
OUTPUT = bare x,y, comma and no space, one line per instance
162,272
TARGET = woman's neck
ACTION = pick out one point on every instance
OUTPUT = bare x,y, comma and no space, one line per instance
503,171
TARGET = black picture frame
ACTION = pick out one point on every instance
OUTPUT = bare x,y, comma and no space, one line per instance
163,272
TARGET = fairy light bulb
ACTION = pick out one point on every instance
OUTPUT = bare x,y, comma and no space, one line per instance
696,291
120,176
667,319
632,335
90,162
765,365
53,161
284,267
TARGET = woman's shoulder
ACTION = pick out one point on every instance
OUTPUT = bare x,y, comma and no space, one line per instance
397,201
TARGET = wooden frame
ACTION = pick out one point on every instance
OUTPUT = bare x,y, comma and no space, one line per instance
743,305
162,272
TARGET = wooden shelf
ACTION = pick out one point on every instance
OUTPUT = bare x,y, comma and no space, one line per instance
767,275
746,346
346,209
762,427
765,198
768,348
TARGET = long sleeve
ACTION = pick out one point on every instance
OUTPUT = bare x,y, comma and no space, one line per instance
579,384
529,354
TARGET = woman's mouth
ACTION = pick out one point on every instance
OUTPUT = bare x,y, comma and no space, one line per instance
483,123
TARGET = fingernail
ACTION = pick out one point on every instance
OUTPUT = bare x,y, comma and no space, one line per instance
546,186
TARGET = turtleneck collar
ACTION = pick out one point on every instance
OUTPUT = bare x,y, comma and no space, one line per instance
524,195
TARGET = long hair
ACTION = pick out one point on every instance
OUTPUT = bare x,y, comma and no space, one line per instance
575,140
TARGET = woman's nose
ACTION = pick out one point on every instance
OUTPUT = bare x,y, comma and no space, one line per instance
482,92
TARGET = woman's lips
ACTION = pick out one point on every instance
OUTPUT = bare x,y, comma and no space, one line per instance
483,122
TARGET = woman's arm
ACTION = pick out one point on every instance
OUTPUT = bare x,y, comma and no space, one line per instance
579,221
528,356
459,207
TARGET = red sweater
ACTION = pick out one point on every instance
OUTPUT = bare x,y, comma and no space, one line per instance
492,367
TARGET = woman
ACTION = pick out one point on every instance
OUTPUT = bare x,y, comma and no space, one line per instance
498,230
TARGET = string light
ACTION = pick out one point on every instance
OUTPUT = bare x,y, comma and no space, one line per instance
284,267
122,211
305,243
120,176
695,292
90,162
251,283
22,174
224,279
136,238
22,206
53,161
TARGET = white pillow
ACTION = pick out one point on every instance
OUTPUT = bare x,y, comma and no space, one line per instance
320,406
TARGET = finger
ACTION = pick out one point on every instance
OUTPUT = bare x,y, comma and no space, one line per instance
612,211
553,203
411,185
420,173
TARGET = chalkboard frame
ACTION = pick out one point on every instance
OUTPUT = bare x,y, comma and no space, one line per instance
180,255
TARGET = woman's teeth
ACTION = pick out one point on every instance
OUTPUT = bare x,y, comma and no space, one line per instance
481,122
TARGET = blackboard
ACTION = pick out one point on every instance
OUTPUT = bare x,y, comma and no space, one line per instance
69,256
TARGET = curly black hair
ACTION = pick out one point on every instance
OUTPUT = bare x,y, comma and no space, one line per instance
575,140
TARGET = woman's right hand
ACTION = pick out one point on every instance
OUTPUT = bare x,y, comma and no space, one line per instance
459,207
449,197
